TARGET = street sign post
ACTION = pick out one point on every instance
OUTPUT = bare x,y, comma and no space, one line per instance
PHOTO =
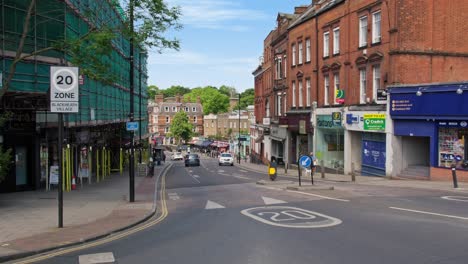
304,162
132,126
64,98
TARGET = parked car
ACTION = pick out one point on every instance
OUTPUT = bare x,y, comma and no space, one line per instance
177,156
192,160
226,159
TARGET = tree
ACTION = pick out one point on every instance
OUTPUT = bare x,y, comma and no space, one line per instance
212,100
5,155
152,91
181,128
228,90
92,50
175,90
247,98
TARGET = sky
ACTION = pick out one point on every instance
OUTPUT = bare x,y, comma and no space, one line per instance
221,42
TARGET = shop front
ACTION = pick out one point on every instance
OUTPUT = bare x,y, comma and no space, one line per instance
365,140
431,122
299,135
329,141
278,137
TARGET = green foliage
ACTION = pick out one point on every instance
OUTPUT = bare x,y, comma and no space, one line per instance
175,90
228,90
211,98
247,98
152,91
5,155
181,128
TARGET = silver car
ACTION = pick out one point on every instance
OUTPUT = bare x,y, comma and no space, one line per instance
226,159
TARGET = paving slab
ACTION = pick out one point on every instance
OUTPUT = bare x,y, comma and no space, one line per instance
274,183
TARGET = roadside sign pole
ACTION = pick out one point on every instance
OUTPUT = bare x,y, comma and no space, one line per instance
299,171
60,187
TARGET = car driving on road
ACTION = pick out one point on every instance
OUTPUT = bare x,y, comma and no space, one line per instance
192,160
177,156
226,159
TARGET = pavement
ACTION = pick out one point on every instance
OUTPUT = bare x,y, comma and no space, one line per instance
333,178
29,222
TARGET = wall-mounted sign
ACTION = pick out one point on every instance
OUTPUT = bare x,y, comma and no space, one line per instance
302,127
326,121
381,95
340,96
374,122
336,118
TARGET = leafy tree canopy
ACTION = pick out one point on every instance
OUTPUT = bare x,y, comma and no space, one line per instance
211,98
228,90
153,90
181,128
247,98
175,90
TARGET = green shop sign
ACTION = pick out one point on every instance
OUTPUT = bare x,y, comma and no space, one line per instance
374,122
329,121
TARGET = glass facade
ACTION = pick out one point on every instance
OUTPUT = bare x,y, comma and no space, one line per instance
453,147
330,142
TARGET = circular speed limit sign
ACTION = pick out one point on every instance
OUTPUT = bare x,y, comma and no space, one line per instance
65,79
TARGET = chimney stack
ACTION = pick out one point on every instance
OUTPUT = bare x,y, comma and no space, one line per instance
159,98
198,100
299,10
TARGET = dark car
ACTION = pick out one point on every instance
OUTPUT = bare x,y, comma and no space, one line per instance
192,160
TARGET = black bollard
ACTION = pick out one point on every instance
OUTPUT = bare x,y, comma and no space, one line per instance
454,176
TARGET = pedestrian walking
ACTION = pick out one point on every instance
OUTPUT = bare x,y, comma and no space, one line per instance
313,164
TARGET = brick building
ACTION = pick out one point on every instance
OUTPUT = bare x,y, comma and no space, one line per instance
163,110
359,53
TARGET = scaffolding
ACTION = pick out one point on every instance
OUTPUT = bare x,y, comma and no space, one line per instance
55,20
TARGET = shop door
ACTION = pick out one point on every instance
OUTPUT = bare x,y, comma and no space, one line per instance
21,165
373,158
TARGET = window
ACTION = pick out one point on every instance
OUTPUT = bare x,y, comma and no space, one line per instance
194,109
245,125
326,44
326,87
267,108
207,125
278,104
363,31
212,123
166,129
285,103
234,124
336,40
294,94
308,92
186,109
300,53
174,109
300,94
168,119
307,50
376,80
278,68
194,119
166,108
336,81
362,86
285,66
376,32
230,124
155,120
293,55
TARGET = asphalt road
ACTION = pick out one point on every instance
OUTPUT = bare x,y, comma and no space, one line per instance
219,215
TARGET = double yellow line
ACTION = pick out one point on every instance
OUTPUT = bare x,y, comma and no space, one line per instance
153,221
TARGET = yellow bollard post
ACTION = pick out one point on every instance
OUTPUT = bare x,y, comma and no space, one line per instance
121,161
64,169
90,164
103,163
97,165
109,162
69,169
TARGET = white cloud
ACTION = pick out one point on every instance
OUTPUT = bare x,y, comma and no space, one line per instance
185,57
216,14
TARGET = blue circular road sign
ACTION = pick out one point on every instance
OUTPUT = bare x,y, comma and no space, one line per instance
305,161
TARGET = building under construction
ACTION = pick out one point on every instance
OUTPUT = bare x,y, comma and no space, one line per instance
95,136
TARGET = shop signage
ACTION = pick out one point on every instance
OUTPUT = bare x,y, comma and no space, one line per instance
278,132
266,121
374,121
381,95
336,117
326,121
340,96
453,123
302,127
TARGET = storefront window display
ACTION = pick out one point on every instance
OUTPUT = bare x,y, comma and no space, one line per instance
453,147
330,142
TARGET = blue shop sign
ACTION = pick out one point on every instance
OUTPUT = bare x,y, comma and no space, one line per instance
429,101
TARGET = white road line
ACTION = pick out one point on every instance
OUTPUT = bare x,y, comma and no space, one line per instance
456,198
243,170
195,178
242,177
268,201
213,205
220,171
107,257
320,196
173,196
429,213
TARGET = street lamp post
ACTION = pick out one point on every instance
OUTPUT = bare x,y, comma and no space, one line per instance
132,153
139,125
238,135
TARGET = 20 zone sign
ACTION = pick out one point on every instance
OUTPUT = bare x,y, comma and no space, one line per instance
64,91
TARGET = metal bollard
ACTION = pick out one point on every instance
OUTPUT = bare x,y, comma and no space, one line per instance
353,172
454,176
322,168
285,168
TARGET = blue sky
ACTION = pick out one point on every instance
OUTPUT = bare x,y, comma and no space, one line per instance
221,42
